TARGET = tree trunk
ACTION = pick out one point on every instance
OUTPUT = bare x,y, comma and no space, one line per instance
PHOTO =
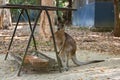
117,20
70,12
5,16
45,32
1,15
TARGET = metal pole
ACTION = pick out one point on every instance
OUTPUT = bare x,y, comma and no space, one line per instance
31,29
14,34
29,42
58,59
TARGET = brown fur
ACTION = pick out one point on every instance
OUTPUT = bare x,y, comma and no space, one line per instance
67,48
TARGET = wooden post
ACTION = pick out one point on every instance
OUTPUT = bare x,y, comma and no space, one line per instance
70,12
117,20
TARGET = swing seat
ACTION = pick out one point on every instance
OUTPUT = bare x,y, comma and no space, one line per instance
36,62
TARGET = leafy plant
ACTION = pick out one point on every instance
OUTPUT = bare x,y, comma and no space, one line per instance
16,12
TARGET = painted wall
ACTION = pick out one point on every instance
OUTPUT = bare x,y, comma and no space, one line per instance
84,16
94,14
104,14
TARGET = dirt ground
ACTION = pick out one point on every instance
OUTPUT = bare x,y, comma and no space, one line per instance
107,70
90,46
85,39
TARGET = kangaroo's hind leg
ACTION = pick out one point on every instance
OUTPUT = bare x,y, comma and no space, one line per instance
64,61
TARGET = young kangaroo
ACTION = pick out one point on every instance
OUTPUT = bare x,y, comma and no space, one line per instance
67,48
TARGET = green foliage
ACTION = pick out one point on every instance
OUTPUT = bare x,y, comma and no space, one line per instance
23,1
16,12
61,4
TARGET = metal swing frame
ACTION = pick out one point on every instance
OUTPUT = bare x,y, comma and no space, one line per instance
24,8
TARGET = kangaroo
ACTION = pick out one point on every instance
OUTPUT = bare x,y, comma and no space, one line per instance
67,48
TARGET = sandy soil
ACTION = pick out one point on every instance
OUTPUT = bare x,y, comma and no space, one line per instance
90,45
108,70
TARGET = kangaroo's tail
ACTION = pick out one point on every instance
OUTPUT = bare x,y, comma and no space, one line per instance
75,61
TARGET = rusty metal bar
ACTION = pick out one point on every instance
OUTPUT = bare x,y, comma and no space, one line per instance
14,34
29,42
55,47
34,7
31,28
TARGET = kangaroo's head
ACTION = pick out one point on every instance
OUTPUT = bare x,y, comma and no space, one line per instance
59,34
60,29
